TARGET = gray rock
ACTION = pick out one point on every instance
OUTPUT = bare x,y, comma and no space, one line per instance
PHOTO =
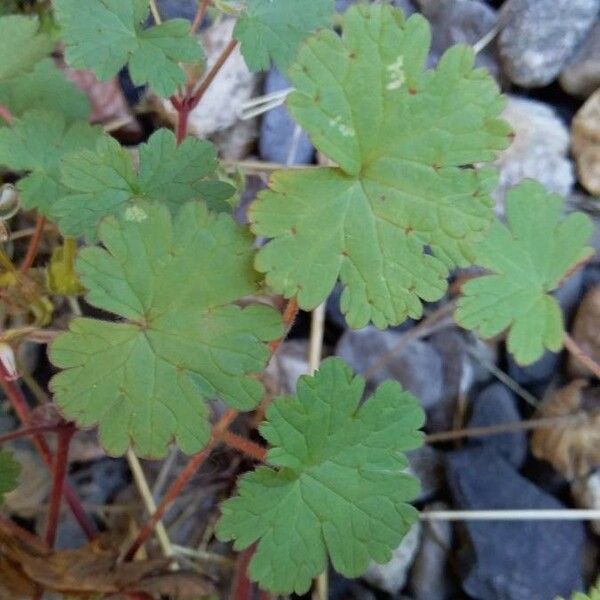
391,576
569,294
430,577
581,75
178,9
417,365
496,405
539,36
539,150
278,142
427,464
287,364
536,373
460,22
512,560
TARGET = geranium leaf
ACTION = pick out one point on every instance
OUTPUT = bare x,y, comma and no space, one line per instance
36,143
528,259
104,181
111,35
270,30
44,88
144,381
21,45
400,136
335,485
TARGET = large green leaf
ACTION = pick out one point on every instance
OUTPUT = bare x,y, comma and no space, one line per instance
36,143
105,35
528,259
270,30
336,485
10,470
104,181
44,88
144,381
400,136
21,45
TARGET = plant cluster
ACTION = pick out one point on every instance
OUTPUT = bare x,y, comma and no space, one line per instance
151,241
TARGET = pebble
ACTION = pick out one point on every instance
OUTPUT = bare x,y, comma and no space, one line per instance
427,464
178,9
278,141
585,133
586,332
581,75
495,405
586,492
512,560
539,150
418,366
391,577
538,37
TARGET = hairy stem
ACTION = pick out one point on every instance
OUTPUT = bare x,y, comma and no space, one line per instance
579,353
27,431
15,395
244,445
180,483
59,475
34,244
181,130
200,13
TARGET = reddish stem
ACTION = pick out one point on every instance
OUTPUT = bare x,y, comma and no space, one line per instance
15,395
34,244
290,313
26,431
59,475
183,114
242,588
179,484
202,8
6,114
15,531
246,446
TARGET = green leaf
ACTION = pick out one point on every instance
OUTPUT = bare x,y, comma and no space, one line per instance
144,381
44,88
400,136
21,45
10,470
593,594
528,259
109,34
270,30
336,485
104,181
36,143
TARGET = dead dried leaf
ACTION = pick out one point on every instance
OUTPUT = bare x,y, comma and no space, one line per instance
573,449
94,568
586,331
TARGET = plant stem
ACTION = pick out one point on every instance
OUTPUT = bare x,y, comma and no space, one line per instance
179,484
155,12
202,8
59,475
244,445
10,528
290,312
15,395
567,514
573,347
26,431
6,114
34,244
181,130
213,72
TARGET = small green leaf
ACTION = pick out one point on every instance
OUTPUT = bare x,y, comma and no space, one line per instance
104,181
336,485
528,259
110,35
44,88
400,136
21,45
270,30
144,381
10,470
36,143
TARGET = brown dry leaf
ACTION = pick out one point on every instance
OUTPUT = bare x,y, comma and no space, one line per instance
586,331
573,449
93,568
